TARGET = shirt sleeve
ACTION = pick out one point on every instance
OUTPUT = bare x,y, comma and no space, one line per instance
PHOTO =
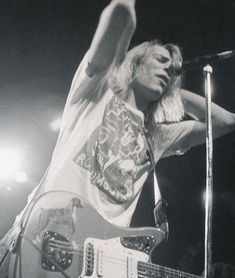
171,138
84,94
84,86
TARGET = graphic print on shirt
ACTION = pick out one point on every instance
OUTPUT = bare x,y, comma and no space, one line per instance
115,154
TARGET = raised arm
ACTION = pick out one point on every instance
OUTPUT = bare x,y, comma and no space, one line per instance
223,121
115,29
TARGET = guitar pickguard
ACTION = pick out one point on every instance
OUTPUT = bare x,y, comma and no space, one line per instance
108,258
56,251
139,243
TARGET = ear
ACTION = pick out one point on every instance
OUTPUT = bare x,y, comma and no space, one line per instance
136,65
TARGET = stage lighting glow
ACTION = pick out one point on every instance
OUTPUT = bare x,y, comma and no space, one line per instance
21,177
9,162
55,124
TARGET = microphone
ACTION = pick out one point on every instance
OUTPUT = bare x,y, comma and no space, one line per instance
177,68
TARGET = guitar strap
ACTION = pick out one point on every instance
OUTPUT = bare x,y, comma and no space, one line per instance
160,209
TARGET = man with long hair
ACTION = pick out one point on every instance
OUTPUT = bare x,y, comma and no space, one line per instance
102,151
122,107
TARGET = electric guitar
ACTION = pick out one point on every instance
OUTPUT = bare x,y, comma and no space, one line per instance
64,236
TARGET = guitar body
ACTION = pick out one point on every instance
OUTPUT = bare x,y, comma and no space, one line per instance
64,236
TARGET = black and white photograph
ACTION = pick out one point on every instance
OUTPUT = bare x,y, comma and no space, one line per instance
117,155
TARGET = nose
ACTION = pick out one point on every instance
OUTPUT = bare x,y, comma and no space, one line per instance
167,67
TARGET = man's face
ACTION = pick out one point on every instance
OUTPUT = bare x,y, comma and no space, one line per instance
152,76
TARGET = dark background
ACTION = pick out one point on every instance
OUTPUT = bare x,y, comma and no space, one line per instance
41,45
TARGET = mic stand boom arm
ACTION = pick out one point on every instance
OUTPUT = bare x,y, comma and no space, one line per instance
207,70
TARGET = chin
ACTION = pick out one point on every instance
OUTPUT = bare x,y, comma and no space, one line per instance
159,92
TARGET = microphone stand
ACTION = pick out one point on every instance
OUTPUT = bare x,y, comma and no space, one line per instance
207,70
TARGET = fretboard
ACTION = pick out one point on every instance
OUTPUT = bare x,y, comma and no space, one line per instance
149,270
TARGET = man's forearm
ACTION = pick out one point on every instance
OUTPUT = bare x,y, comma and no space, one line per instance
195,106
115,29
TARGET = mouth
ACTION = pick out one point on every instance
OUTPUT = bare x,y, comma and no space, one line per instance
163,80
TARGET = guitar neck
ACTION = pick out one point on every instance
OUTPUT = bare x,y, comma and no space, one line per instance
149,270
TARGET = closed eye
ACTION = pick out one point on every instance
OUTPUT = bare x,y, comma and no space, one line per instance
160,58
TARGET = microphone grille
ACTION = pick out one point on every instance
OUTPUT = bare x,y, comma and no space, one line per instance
175,69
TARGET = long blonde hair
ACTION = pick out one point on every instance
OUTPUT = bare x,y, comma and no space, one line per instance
169,108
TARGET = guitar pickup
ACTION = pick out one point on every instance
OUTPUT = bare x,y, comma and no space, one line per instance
100,263
89,259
